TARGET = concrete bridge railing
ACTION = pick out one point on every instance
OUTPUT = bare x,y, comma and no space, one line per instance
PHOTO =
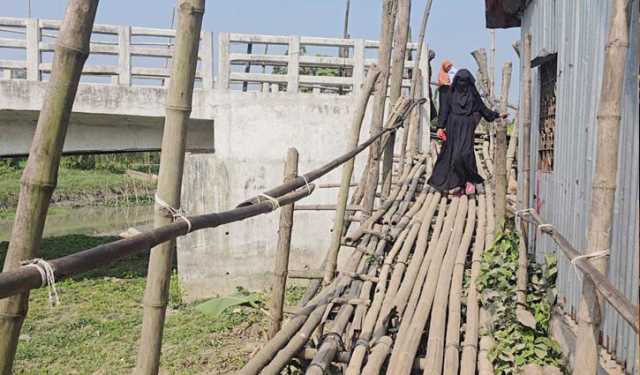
124,53
305,71
132,55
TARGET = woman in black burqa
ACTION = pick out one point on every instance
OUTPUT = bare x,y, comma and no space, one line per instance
456,167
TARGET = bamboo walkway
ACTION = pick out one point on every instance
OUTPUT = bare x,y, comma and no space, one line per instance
405,302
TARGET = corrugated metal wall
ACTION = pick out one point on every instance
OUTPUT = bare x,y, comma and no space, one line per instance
577,31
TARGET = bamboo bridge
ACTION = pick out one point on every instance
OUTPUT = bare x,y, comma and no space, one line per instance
405,300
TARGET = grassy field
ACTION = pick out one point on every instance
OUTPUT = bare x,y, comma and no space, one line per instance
99,186
95,329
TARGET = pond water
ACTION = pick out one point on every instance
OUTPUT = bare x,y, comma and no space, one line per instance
90,220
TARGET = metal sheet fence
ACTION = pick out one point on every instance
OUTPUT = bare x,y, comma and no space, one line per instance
577,31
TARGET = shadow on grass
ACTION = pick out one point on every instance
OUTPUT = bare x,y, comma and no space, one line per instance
56,247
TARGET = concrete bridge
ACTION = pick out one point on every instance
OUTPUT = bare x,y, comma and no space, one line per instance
263,101
119,105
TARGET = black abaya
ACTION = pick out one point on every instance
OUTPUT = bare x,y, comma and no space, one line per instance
456,163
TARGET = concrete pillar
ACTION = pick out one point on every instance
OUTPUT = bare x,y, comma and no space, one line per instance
124,55
224,70
358,65
293,67
206,58
33,49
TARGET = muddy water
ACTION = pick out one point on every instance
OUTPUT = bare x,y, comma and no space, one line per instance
89,220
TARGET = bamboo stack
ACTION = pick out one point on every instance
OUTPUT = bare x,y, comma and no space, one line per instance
396,305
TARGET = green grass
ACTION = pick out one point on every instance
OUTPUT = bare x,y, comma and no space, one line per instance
100,186
96,328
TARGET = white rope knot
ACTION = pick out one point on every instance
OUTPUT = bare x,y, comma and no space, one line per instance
274,202
542,227
594,255
525,211
47,276
175,213
306,183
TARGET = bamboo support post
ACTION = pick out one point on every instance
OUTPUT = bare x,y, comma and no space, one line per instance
40,175
526,127
178,111
470,344
500,156
412,132
590,310
377,118
436,335
282,251
400,38
486,341
347,174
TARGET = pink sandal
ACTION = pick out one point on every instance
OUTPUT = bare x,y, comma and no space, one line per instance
470,189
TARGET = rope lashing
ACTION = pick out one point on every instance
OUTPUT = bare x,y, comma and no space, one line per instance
542,227
524,211
594,255
175,213
306,183
274,202
47,276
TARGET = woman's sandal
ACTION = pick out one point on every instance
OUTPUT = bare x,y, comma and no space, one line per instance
469,188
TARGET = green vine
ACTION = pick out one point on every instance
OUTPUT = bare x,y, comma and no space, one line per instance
520,339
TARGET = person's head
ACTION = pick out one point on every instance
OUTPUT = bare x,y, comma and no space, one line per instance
447,65
463,80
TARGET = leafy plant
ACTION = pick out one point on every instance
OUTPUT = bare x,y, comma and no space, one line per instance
520,339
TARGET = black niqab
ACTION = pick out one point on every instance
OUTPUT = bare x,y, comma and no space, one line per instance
463,92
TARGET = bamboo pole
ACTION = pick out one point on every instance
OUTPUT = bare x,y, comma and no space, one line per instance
378,355
177,112
377,118
500,156
627,310
40,176
485,367
435,340
347,174
603,186
420,255
423,220
413,138
526,126
411,306
404,352
362,343
452,343
25,278
291,338
400,36
282,251
412,132
329,347
470,344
